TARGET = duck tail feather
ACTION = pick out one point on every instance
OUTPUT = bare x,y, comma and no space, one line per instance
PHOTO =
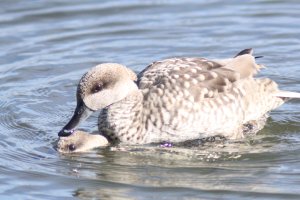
245,51
287,94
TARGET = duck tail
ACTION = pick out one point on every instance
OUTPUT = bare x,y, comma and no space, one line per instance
245,51
288,95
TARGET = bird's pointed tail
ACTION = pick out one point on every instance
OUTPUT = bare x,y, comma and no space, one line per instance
287,94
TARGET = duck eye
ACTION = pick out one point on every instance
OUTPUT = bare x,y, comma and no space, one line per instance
97,88
72,147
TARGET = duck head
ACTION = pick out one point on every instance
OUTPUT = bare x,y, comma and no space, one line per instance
80,141
100,87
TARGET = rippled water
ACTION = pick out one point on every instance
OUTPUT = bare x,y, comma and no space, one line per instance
45,47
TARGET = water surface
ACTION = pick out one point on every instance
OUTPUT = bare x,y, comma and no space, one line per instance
46,46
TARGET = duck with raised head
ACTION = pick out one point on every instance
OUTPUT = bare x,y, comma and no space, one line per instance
177,99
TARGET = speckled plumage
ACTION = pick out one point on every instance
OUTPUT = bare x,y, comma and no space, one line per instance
189,98
179,99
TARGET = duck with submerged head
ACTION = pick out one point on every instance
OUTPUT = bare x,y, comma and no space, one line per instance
80,141
176,100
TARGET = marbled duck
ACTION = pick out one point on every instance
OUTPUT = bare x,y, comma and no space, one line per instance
177,99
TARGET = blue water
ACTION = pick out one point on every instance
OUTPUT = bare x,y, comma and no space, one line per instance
46,46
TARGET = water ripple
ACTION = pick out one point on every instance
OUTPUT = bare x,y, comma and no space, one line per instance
45,47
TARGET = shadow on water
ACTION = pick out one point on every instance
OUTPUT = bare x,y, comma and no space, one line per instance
256,167
224,169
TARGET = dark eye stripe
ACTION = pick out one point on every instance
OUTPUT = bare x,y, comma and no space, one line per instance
97,88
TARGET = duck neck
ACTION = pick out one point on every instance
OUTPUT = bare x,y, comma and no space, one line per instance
123,121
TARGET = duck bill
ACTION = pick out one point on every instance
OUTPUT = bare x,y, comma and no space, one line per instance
81,113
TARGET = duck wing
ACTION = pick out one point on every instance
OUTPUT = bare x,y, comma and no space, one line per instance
197,95
197,74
